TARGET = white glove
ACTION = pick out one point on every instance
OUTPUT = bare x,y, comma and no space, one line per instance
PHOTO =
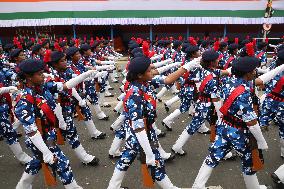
75,81
168,67
10,89
218,105
46,75
47,155
107,62
82,102
256,131
271,74
59,115
111,58
229,70
262,71
101,74
104,67
273,46
159,64
195,63
144,143
10,64
153,58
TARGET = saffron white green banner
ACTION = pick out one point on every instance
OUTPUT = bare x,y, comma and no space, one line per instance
142,12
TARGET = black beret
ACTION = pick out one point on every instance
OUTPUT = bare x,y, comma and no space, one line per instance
45,42
280,48
167,42
245,64
15,53
136,50
71,43
85,47
9,46
132,41
210,55
29,44
176,44
137,54
191,48
184,46
139,65
95,44
233,46
36,47
161,42
244,42
223,44
30,66
106,42
71,51
205,43
133,46
261,45
280,55
56,56
62,44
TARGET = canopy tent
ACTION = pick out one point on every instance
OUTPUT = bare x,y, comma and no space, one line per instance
142,12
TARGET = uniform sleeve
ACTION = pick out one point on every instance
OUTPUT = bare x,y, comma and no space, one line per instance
24,112
54,87
246,111
135,110
157,81
213,88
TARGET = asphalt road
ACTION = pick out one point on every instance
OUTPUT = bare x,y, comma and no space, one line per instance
182,171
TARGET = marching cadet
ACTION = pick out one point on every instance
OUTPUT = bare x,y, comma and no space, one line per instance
232,51
208,77
85,90
273,104
37,52
61,73
6,117
188,91
261,53
237,126
223,54
140,108
17,56
36,109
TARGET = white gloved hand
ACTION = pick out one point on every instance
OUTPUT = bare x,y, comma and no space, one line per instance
48,156
10,89
101,74
229,70
105,67
144,143
159,64
168,67
107,62
75,81
82,103
262,71
271,74
195,63
153,58
59,115
217,106
256,131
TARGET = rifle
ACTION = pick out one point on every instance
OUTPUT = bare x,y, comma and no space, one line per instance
257,155
49,178
148,180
